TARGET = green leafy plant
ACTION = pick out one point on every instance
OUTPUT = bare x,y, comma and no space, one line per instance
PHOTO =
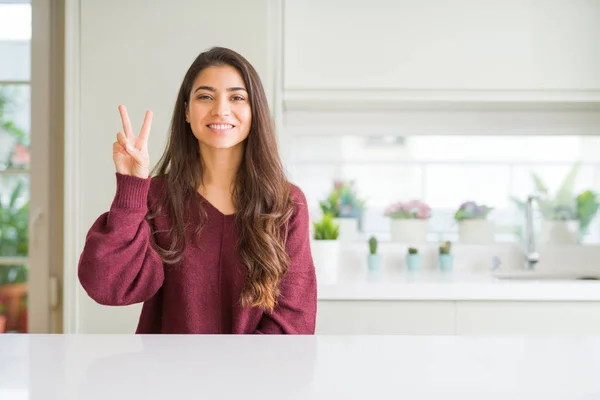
14,235
326,229
343,201
373,245
7,126
445,247
2,306
587,207
560,207
413,250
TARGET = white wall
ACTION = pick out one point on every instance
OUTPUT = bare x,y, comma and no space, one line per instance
136,53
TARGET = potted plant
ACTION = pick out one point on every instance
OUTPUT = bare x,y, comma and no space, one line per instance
473,224
374,259
345,207
2,316
413,259
325,247
445,257
14,242
408,221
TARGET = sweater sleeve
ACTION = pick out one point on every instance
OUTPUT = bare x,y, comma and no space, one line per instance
118,265
296,309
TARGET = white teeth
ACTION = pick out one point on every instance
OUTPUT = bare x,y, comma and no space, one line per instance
220,126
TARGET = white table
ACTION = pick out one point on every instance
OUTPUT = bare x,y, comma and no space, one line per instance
118,367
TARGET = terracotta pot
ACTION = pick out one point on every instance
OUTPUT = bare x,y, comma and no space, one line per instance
2,324
23,323
13,295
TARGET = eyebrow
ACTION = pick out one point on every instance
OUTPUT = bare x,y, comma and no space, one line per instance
212,89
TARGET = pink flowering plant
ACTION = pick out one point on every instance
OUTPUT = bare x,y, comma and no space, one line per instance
413,209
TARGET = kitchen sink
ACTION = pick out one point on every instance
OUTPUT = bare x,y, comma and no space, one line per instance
548,275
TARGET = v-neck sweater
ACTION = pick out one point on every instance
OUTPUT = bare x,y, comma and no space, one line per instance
200,294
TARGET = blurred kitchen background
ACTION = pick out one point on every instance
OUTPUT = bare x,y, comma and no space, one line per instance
449,107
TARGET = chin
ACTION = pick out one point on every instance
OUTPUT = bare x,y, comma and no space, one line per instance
223,143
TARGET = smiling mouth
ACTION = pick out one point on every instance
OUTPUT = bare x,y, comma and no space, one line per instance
220,127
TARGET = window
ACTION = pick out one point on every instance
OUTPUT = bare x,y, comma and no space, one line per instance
445,171
15,128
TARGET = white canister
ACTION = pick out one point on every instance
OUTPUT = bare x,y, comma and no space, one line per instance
348,229
559,232
326,256
409,231
476,231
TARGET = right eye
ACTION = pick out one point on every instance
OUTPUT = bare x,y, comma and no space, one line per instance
204,97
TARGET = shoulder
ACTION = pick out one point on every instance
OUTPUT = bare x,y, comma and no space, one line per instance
297,196
300,213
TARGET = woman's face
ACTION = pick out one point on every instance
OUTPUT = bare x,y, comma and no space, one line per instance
219,108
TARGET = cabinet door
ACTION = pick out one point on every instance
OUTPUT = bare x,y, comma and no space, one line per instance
385,317
455,45
527,318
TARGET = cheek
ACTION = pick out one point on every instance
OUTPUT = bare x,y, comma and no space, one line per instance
245,114
197,111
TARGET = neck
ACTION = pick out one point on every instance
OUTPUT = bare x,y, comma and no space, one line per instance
220,166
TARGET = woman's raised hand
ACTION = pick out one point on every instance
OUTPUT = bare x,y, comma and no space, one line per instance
130,153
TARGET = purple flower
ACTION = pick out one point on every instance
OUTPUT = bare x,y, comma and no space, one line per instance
472,210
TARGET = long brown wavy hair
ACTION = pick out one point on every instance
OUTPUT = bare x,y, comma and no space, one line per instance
261,193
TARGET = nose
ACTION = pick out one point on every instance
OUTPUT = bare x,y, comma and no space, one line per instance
221,107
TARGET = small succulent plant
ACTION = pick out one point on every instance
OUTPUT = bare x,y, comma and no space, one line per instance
414,209
413,250
373,245
445,247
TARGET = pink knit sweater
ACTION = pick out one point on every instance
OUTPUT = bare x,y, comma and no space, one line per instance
201,293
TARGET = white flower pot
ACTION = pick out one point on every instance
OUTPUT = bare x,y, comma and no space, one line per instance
326,255
559,232
348,229
476,231
409,231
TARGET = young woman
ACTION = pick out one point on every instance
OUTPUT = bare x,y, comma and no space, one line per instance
217,241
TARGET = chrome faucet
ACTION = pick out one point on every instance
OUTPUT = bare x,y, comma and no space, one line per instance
532,257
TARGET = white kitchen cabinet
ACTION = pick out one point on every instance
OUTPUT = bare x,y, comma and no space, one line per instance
389,50
497,317
458,317
385,317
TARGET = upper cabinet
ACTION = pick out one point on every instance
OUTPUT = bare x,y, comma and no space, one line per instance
386,51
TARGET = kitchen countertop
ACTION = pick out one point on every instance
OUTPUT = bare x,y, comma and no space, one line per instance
360,284
86,367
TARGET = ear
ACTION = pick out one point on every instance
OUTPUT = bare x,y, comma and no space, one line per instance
187,113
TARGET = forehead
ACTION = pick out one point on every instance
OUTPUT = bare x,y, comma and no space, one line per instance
220,77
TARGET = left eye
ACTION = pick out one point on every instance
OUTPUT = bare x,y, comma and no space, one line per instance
238,98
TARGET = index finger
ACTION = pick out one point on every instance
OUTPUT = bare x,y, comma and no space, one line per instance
126,122
145,132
